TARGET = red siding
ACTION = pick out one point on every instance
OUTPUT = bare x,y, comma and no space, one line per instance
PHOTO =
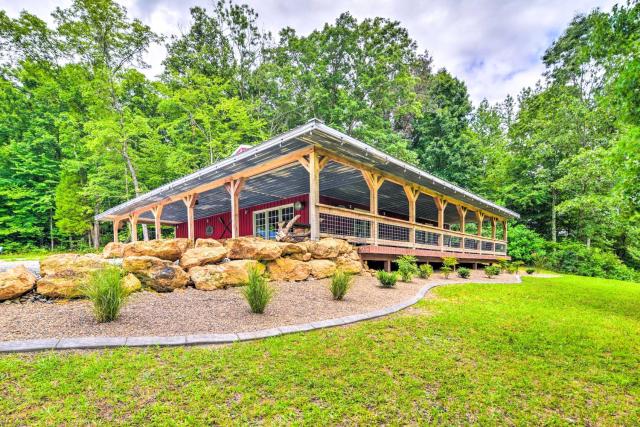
219,221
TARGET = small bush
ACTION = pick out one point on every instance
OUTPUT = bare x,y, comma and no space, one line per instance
492,270
531,270
446,271
464,272
503,264
407,267
340,284
512,269
425,271
106,292
387,280
516,266
257,291
450,262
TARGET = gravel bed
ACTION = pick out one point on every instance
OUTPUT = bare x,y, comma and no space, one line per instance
191,311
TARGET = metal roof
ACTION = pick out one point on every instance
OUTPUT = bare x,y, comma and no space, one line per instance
336,179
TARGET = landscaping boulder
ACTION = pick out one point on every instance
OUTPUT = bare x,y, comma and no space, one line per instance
328,248
131,283
202,255
169,249
113,250
69,264
306,256
254,248
15,282
64,274
158,274
232,273
289,269
208,243
293,248
349,263
321,268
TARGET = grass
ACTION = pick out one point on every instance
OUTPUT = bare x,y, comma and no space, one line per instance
549,351
106,292
257,291
340,284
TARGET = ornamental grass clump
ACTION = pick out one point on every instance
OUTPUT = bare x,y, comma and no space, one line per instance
446,271
256,290
425,271
387,280
407,267
464,272
340,284
106,292
492,270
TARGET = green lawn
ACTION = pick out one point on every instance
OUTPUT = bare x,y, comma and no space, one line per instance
554,351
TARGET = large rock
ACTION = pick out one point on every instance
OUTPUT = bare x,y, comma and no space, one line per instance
306,256
169,249
321,268
232,273
15,282
289,269
158,274
63,275
208,243
254,248
202,256
131,283
349,263
69,264
293,248
329,248
113,250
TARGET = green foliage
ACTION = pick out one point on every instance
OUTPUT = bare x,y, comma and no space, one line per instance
387,279
407,267
464,272
106,292
516,266
257,291
503,263
492,270
340,284
450,262
530,270
425,270
524,243
446,271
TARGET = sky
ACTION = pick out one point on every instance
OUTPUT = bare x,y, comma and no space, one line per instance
494,46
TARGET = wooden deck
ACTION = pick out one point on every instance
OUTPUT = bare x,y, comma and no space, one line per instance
386,253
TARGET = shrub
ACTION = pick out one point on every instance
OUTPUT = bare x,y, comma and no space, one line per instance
516,266
450,262
425,270
531,270
257,291
525,244
106,292
445,270
492,270
512,269
464,272
503,264
387,280
340,284
407,267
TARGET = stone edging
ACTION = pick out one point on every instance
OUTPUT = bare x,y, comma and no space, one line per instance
85,343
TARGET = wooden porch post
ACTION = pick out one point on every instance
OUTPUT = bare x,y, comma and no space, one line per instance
441,204
412,197
505,228
190,202
314,195
493,228
234,188
116,226
374,182
157,214
462,213
480,220
133,221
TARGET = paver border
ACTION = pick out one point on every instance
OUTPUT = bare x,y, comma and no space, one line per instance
86,343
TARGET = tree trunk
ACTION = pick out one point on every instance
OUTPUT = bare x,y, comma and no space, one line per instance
51,229
588,242
553,218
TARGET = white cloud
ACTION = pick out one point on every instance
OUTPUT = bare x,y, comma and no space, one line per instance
494,46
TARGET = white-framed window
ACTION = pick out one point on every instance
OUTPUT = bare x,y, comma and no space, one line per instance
265,221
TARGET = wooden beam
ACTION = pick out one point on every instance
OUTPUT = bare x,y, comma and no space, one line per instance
493,228
505,229
304,162
412,196
116,226
133,221
479,220
234,188
314,195
323,162
157,214
374,182
441,204
190,202
462,213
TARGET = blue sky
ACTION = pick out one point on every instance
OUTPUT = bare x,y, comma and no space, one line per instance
494,46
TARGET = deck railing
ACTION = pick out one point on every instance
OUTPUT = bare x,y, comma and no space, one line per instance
366,228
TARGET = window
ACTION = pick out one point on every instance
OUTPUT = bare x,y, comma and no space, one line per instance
265,222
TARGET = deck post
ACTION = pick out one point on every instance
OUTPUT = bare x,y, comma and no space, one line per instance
234,187
133,221
190,202
505,228
374,182
462,213
157,214
493,228
314,195
480,220
441,204
412,197
116,226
